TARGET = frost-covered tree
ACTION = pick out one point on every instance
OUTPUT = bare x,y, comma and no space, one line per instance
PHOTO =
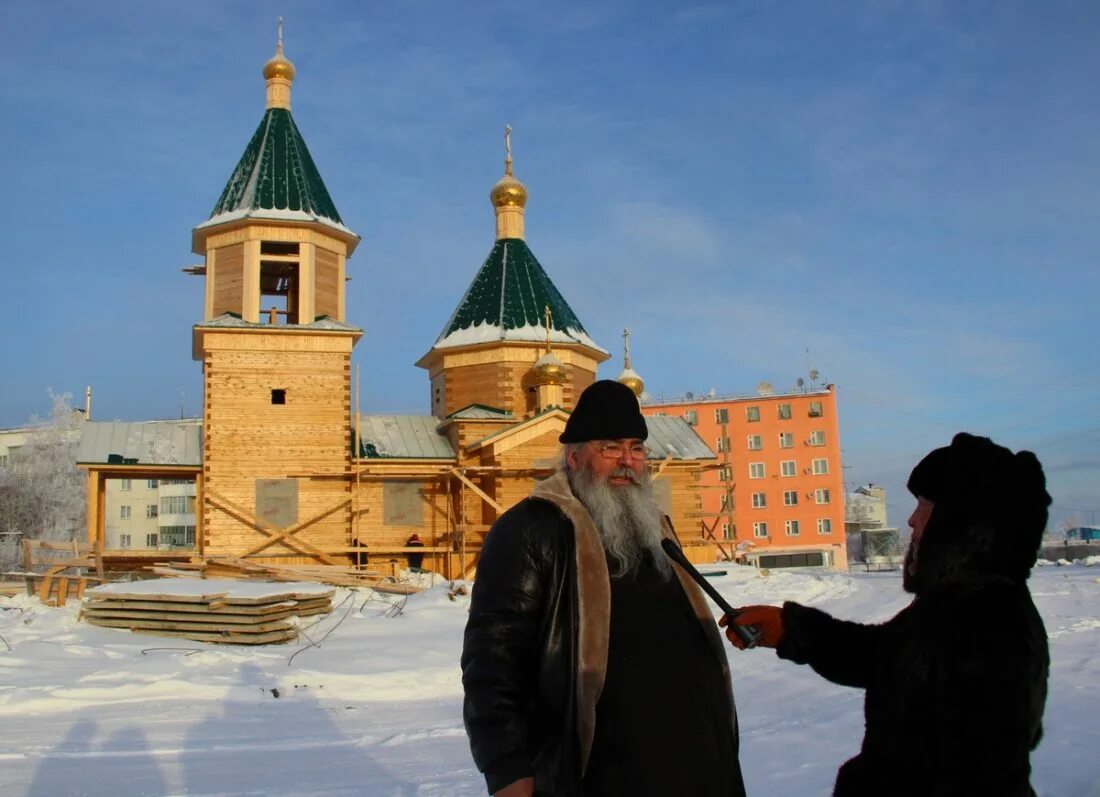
42,492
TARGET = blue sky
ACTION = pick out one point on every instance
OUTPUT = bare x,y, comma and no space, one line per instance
907,190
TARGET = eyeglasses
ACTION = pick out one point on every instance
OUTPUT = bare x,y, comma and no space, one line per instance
612,450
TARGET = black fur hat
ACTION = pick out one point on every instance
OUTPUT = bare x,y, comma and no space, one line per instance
606,410
990,510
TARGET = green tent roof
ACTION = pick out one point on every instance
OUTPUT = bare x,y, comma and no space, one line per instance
506,301
276,178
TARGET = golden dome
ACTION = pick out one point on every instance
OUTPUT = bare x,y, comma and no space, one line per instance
629,378
508,192
548,370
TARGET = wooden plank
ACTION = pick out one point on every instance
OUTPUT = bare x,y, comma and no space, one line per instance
165,606
285,534
481,493
173,625
227,638
142,616
62,590
248,518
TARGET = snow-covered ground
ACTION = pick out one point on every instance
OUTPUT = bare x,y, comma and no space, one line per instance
375,708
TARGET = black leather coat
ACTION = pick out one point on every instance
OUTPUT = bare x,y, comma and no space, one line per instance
534,662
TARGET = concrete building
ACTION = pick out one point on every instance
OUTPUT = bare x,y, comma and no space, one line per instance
872,542
775,497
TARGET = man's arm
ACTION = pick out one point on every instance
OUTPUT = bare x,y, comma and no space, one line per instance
500,654
842,651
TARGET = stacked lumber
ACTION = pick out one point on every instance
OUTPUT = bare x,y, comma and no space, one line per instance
225,611
232,568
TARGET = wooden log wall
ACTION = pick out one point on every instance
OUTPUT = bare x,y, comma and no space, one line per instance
329,284
228,280
247,437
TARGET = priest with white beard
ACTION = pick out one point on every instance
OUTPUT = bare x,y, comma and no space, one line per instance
592,664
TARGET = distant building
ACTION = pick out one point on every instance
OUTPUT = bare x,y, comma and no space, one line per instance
872,542
776,495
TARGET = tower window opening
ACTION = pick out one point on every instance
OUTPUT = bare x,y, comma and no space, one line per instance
279,291
278,395
278,248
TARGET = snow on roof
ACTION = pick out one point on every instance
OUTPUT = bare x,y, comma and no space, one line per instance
234,321
487,331
273,214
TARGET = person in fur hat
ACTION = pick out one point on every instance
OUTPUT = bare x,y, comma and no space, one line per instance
591,664
956,682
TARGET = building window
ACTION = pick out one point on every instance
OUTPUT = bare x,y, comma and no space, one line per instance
124,511
756,470
725,501
726,535
759,500
821,495
790,498
824,526
788,467
724,444
177,535
725,473
151,484
174,505
786,439
691,416
760,529
278,395
123,540
722,415
150,540
815,409
752,414
791,527
756,442
150,510
817,438
784,412
124,484
821,467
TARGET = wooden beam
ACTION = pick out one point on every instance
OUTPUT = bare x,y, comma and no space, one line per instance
242,514
662,466
484,496
290,531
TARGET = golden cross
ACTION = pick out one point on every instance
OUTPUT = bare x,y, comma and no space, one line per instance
280,27
508,141
626,348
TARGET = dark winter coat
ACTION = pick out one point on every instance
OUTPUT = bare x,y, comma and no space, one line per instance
955,683
536,645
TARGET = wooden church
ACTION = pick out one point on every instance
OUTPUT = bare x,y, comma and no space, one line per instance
287,470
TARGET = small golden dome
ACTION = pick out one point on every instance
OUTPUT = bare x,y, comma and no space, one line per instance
279,66
508,192
631,379
548,370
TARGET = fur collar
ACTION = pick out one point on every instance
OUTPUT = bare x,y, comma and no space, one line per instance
594,600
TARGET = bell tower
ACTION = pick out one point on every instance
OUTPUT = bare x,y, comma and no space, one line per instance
276,349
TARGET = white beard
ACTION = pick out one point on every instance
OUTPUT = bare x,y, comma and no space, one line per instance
626,517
